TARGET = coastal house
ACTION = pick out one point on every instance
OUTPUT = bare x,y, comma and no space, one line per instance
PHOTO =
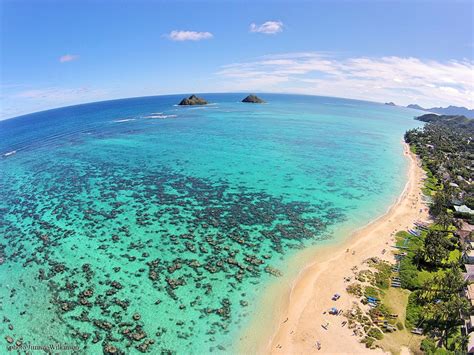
469,324
456,201
469,274
464,226
468,256
470,345
465,238
463,209
469,294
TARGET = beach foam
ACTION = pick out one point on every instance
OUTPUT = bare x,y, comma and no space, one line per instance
9,153
161,116
125,120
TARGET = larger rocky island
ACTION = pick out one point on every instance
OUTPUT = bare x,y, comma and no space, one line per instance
192,100
253,99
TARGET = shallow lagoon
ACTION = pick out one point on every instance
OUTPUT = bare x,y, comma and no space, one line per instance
141,225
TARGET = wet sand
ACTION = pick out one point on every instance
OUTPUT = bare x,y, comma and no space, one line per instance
299,313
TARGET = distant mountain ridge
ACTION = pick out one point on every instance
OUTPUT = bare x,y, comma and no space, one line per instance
450,110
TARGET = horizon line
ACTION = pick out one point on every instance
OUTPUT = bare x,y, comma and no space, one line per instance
196,93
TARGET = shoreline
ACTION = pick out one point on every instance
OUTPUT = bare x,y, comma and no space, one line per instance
297,312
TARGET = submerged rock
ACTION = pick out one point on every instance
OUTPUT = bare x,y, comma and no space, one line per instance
273,271
192,100
110,349
253,99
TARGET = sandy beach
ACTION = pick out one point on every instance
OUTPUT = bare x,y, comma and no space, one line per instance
301,315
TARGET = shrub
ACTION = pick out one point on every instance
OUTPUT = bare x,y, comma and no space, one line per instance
414,311
382,277
369,342
375,333
428,346
409,274
371,292
355,289
400,326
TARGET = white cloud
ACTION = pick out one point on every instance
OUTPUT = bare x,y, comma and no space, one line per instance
68,58
189,35
398,79
269,27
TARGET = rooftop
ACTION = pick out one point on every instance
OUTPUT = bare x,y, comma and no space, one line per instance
463,209
469,275
470,345
464,226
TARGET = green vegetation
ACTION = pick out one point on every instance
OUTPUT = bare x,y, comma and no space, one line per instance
431,268
355,289
382,276
458,122
375,333
414,311
371,291
435,249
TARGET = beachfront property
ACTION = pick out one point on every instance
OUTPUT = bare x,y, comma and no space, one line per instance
469,293
468,256
464,226
464,233
470,346
469,274
463,209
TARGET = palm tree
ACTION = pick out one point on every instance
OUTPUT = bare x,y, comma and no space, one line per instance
436,247
444,219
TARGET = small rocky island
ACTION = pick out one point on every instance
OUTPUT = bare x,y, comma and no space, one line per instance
192,100
253,99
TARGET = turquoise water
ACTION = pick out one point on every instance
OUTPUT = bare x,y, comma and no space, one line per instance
145,226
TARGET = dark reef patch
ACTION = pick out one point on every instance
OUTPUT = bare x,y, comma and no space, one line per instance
106,239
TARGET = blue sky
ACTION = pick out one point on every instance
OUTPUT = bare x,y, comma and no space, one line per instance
57,53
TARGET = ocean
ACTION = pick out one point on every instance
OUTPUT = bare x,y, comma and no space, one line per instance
138,225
